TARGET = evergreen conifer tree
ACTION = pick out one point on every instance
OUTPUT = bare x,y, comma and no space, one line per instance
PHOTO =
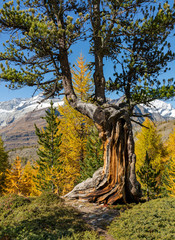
94,156
49,165
4,165
149,140
148,175
151,155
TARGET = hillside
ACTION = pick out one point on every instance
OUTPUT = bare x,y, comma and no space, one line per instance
19,137
51,217
24,144
17,108
18,117
17,120
164,128
21,133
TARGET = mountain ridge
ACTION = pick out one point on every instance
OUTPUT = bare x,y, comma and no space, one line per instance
17,108
164,109
17,118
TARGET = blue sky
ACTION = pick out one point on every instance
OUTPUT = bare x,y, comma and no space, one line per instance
27,92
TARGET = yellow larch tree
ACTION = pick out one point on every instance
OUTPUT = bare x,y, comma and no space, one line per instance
20,180
82,80
149,140
28,184
149,143
169,173
75,127
13,183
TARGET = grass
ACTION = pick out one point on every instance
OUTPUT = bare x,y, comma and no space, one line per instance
147,221
40,218
47,218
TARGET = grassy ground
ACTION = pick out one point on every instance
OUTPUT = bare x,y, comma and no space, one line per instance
48,218
148,221
40,218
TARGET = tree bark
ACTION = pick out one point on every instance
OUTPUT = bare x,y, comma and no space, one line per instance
116,181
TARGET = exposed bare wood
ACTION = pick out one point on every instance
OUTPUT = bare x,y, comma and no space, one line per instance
116,182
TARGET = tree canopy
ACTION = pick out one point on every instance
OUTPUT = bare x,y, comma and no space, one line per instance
132,34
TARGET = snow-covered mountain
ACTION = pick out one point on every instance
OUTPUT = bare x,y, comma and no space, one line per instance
164,109
18,116
17,108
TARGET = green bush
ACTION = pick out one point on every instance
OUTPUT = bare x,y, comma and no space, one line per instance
148,221
47,198
88,235
39,218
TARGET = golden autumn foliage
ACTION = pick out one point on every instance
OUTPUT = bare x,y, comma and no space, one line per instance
13,183
67,136
27,179
171,144
82,80
149,140
170,185
74,127
170,166
20,180
53,179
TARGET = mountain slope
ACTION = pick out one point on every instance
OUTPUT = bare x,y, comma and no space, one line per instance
21,132
18,116
17,108
160,107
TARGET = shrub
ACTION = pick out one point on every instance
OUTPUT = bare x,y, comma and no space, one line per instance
43,217
151,220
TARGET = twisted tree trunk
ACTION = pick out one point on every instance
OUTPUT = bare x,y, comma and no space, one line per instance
116,181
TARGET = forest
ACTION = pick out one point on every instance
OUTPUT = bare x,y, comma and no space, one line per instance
70,151
89,152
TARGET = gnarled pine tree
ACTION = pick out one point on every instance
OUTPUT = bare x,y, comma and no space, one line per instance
132,34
